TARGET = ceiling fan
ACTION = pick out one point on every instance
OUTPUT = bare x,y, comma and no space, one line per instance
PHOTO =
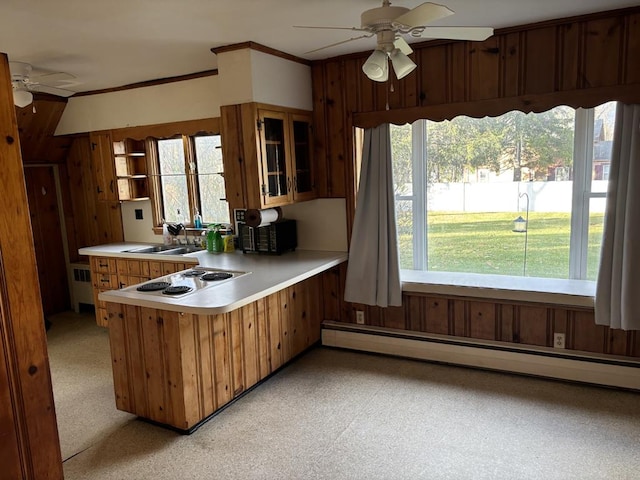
25,80
389,24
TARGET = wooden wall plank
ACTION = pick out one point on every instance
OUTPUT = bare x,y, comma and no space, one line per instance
433,86
275,332
237,355
321,173
206,372
262,327
540,61
602,53
232,158
221,359
484,72
336,147
135,359
119,357
534,326
507,321
459,318
510,60
250,349
569,57
632,50
482,318
586,335
154,355
436,315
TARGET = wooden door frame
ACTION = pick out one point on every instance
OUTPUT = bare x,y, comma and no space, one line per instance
28,429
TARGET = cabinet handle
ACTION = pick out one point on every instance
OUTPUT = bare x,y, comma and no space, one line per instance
103,265
295,185
288,184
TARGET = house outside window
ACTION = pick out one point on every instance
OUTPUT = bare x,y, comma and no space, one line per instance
191,179
446,223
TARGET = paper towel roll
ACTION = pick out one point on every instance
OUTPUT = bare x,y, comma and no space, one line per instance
260,218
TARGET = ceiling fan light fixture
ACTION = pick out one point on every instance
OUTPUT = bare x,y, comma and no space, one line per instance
22,97
402,64
377,66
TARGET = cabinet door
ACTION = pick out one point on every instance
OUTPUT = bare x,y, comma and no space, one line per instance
103,167
302,158
276,188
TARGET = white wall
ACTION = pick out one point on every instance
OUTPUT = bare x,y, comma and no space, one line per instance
170,102
138,230
321,224
278,81
248,75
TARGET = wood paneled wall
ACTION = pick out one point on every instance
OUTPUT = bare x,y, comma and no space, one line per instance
36,129
29,447
88,220
522,323
581,61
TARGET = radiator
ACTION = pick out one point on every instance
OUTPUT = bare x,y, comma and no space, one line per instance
81,286
560,364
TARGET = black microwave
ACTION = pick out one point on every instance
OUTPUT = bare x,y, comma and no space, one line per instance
275,238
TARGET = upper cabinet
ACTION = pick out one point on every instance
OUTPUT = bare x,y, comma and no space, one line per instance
270,149
103,167
131,169
119,168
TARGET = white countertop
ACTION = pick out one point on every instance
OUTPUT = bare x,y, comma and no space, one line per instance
269,274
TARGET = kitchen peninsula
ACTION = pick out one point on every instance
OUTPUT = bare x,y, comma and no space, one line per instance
179,359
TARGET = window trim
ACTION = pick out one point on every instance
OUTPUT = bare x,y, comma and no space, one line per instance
193,188
581,195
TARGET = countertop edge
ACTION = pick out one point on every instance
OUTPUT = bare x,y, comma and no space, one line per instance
115,296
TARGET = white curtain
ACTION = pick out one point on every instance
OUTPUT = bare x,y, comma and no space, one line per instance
373,273
618,288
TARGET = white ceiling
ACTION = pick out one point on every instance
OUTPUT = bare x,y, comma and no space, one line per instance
111,43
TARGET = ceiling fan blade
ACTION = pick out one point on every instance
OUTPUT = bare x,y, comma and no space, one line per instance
458,33
421,15
60,92
401,44
340,43
52,77
332,28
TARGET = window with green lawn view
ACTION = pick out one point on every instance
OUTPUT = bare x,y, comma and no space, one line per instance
191,179
519,194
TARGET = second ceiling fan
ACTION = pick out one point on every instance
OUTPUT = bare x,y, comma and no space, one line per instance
389,23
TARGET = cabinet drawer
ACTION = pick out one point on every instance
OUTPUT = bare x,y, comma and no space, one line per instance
105,281
104,265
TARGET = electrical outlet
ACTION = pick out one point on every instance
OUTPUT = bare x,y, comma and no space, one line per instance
558,340
360,317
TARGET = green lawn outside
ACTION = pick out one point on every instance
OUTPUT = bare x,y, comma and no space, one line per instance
485,243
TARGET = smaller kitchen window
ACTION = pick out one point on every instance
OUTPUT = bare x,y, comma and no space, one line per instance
189,178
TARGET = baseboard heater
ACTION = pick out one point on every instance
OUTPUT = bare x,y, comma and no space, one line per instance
546,362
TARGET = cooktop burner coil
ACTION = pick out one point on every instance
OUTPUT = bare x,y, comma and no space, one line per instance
153,286
215,276
176,290
194,273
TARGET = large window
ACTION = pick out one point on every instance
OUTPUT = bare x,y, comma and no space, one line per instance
191,179
519,194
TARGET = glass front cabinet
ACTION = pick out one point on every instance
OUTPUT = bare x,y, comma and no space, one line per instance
286,157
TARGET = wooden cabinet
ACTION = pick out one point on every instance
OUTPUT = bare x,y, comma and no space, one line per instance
177,369
103,166
104,275
130,161
110,273
268,158
285,161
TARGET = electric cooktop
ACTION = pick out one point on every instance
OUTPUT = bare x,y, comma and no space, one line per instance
187,282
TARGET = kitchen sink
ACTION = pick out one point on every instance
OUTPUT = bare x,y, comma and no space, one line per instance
166,249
